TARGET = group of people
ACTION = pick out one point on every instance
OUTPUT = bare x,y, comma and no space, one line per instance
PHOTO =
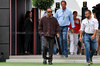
63,25
50,26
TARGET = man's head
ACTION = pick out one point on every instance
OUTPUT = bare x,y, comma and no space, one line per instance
63,4
75,14
49,12
88,14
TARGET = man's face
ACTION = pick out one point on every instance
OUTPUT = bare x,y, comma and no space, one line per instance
87,14
49,12
75,14
63,5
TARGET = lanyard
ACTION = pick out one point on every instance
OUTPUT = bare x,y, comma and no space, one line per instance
63,15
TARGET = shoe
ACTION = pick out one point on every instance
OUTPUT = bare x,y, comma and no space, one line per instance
58,54
61,55
66,56
88,63
91,62
44,61
71,53
80,54
50,63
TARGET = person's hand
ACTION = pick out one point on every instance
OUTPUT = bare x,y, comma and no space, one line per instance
58,35
80,39
92,37
72,30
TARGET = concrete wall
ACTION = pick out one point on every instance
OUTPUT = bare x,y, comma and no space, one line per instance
4,28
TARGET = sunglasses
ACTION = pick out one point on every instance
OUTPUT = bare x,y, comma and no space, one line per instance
49,11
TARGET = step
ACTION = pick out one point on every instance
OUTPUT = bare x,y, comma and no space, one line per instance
56,59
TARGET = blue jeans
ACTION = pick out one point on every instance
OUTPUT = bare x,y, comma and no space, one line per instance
91,46
54,50
63,40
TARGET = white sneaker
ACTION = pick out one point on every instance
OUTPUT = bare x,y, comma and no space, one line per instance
80,54
91,62
71,53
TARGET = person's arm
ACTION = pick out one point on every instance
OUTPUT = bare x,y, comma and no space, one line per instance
72,22
81,31
40,27
95,32
93,36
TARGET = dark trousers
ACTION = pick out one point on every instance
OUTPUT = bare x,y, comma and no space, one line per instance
48,42
27,42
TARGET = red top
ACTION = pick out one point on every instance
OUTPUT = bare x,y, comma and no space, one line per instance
77,25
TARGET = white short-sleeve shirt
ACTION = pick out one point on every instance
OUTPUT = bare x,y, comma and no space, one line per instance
89,26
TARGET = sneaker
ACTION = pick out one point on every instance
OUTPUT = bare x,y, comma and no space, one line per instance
61,55
88,63
44,61
80,54
91,62
66,56
50,63
58,54
71,53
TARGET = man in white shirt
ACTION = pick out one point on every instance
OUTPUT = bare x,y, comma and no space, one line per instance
89,26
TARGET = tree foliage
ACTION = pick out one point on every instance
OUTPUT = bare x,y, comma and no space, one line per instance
42,4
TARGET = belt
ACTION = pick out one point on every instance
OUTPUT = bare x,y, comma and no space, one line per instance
88,34
64,26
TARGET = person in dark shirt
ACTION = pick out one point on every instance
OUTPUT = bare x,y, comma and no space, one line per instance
28,30
48,29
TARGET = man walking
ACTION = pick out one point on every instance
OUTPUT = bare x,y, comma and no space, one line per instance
89,26
48,29
64,17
